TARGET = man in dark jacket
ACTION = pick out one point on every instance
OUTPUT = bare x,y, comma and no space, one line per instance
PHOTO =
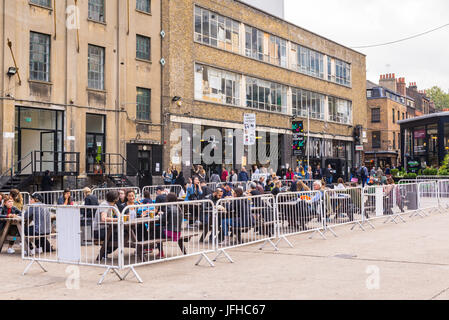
243,175
47,182
89,200
42,223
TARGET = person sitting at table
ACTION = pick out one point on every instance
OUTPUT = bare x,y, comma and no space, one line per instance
104,215
194,191
301,186
18,200
277,188
313,205
146,198
171,223
89,200
340,185
269,186
9,211
121,203
238,215
206,190
65,199
227,190
41,218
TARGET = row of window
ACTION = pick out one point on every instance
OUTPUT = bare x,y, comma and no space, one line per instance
224,87
40,67
382,93
96,9
40,59
224,33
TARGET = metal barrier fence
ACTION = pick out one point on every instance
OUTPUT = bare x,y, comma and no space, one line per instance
52,197
160,232
432,177
53,234
390,201
428,197
100,193
146,234
342,207
243,221
299,212
26,198
173,188
443,193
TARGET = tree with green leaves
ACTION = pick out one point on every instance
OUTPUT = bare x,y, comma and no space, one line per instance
437,95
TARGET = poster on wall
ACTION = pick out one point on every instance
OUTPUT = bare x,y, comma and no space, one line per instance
249,129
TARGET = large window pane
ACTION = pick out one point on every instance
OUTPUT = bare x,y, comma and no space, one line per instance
143,47
96,10
143,5
96,67
143,103
39,56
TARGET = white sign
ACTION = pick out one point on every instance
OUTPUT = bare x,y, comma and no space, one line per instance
8,135
69,234
158,167
358,148
176,160
249,129
71,138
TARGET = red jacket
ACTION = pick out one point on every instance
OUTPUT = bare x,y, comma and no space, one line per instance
224,175
290,175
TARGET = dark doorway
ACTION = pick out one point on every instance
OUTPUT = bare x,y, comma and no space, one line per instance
95,143
144,166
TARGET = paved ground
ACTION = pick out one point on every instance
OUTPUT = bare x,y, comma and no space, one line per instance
404,261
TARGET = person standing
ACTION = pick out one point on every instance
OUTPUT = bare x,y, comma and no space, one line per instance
234,177
309,173
379,174
328,174
363,175
224,175
243,175
47,182
215,177
168,176
290,174
318,173
174,173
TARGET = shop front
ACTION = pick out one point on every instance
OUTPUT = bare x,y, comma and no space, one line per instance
324,152
425,140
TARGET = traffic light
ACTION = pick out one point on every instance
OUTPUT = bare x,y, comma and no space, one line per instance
358,135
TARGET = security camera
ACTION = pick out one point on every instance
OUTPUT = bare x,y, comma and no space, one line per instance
163,34
163,62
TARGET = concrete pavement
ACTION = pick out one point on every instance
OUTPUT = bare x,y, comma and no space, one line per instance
403,261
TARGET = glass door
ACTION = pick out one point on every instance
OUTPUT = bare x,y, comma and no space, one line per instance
47,152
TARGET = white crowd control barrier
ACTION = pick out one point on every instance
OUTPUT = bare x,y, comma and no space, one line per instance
100,193
212,186
172,188
52,197
428,198
245,220
407,181
53,234
26,198
299,212
159,232
342,207
390,201
443,193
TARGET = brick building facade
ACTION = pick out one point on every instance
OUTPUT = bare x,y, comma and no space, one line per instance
225,59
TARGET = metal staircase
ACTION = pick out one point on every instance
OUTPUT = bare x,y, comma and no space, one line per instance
24,173
117,169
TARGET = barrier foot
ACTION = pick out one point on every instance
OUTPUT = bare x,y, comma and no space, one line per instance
358,224
29,266
203,255
222,251
106,272
321,234
285,239
332,231
270,242
417,213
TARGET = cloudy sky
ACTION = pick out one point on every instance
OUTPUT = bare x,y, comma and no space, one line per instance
424,60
